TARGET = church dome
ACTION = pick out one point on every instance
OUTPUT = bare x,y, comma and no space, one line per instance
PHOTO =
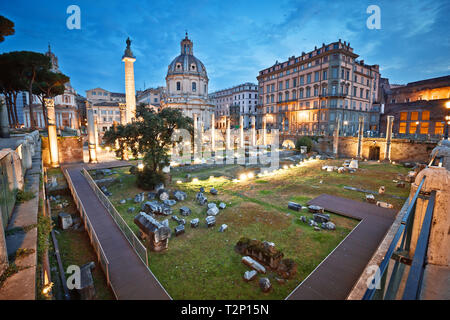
186,62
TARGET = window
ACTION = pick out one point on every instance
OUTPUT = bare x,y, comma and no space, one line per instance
302,80
287,84
414,116
403,116
316,76
439,128
426,115
178,86
308,92
294,84
194,86
412,127
424,128
280,85
325,75
334,72
308,78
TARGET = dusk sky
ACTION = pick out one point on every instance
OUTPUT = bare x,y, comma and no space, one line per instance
234,39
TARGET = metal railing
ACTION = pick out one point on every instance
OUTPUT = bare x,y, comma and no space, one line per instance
399,253
101,257
137,245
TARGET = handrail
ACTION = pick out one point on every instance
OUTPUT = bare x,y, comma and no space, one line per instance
406,221
91,232
123,226
415,276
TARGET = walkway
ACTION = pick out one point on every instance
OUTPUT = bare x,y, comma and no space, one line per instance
130,277
334,277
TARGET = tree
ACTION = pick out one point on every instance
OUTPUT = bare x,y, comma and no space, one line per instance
21,69
49,84
11,84
6,28
150,136
31,64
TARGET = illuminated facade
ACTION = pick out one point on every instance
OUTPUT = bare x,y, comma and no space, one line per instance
187,85
309,93
418,107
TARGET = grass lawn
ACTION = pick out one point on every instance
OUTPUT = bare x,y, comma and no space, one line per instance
74,245
202,263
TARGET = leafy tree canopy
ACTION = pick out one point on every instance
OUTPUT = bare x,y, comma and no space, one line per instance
150,135
6,28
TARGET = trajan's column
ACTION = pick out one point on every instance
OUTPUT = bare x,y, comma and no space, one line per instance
130,93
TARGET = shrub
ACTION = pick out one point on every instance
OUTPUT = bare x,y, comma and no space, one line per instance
304,141
23,196
133,170
148,179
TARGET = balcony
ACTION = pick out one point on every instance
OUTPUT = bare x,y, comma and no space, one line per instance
333,95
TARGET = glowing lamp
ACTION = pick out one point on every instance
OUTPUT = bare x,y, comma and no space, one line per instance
243,177
140,166
250,175
195,180
179,181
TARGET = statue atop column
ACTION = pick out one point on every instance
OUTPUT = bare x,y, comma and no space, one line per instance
128,53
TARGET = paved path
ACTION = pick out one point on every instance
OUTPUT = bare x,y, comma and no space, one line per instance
335,276
131,279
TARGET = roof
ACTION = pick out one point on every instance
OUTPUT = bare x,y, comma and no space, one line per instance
187,64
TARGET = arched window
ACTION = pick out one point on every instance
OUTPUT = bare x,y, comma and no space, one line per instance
178,85
294,94
286,96
194,86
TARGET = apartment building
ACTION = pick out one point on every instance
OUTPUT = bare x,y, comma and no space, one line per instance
101,95
244,99
309,93
150,96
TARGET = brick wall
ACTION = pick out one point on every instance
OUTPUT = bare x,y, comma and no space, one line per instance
70,149
403,150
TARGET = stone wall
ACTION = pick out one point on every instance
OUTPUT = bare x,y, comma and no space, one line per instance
402,150
70,149
15,158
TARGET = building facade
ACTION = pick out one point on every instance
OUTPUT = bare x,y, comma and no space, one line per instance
66,109
187,85
419,108
151,96
101,95
309,93
243,96
107,113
